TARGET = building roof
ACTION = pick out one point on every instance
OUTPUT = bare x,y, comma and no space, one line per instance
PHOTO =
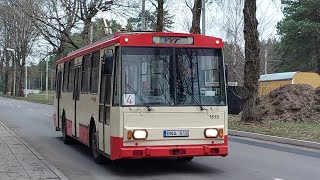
277,76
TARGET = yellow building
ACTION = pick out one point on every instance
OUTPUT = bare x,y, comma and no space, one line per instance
269,82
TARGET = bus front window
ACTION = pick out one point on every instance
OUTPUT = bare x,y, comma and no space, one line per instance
146,76
172,76
200,77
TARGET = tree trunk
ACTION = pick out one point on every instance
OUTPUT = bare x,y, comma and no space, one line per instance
252,61
6,78
22,78
86,31
13,85
160,16
196,14
1,67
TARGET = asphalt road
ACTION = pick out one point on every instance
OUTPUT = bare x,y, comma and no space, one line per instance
248,159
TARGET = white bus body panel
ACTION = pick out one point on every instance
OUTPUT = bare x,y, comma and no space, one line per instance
173,118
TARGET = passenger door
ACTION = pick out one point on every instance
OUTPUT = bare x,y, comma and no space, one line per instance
58,96
104,102
76,95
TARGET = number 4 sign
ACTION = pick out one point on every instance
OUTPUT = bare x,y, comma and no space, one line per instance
129,99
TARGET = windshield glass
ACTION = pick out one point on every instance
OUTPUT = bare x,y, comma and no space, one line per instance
172,76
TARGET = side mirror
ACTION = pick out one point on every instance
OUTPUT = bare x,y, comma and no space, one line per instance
108,63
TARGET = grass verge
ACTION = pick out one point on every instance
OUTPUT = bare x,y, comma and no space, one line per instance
309,131
37,98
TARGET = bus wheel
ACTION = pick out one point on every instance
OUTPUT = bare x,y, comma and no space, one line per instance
185,159
98,158
66,139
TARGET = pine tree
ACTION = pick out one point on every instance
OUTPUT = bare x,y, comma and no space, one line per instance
299,49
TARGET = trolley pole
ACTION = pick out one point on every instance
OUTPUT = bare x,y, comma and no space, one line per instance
143,15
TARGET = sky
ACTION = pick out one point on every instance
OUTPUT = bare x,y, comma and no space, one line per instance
217,12
218,16
268,14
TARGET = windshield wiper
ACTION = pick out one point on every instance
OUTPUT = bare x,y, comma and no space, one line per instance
195,101
140,98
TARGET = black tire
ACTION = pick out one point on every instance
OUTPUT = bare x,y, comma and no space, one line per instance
185,159
98,158
66,139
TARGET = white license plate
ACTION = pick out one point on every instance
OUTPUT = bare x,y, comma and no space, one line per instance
176,133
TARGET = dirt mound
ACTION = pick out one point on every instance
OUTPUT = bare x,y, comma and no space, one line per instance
299,102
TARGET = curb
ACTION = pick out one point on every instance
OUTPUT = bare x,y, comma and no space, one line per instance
277,139
58,173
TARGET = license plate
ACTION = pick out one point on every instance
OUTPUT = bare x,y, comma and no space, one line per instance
176,133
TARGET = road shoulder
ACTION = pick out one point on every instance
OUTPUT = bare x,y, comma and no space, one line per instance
282,140
18,160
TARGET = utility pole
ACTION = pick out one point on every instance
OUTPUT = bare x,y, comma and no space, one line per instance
203,17
47,74
143,15
41,81
266,62
91,33
14,75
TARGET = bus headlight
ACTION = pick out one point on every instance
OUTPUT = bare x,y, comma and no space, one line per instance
211,133
140,134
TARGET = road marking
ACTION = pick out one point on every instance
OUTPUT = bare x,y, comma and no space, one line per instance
31,110
18,106
277,179
47,114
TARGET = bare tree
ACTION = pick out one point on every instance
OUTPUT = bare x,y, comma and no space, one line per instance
232,25
252,61
160,16
196,15
163,19
54,20
6,17
87,10
19,35
26,35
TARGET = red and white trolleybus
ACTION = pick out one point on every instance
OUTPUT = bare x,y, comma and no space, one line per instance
144,95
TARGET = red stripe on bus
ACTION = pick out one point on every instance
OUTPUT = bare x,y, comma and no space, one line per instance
69,128
88,50
145,39
84,134
118,151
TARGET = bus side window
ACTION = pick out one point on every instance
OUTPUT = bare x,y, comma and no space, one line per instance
108,64
94,72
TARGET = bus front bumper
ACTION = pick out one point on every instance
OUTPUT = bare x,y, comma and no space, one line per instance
171,151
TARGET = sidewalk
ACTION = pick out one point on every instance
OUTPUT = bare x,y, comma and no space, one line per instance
18,161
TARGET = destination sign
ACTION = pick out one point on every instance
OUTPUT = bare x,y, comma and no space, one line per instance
172,40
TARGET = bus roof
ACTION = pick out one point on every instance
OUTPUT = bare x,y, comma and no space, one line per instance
145,39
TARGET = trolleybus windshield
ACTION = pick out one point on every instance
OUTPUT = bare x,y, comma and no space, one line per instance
172,76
